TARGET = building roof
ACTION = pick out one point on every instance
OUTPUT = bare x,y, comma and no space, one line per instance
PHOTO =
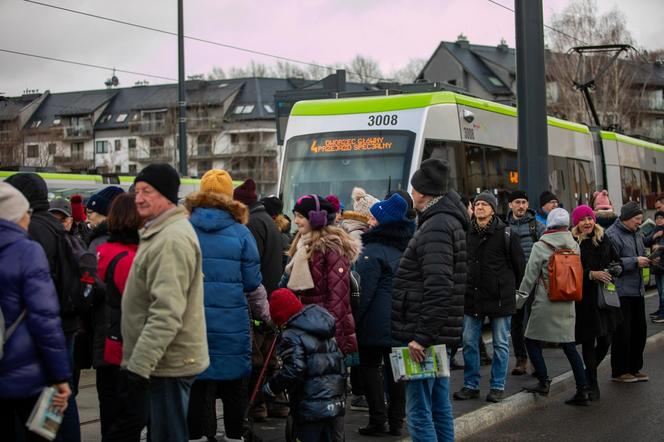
70,104
476,60
10,107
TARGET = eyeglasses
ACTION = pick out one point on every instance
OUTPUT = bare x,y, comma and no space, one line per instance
30,211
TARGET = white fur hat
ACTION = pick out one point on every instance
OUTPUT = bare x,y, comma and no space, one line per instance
362,201
13,205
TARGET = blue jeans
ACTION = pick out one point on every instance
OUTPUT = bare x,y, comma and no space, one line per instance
169,403
70,429
429,410
537,358
472,331
659,280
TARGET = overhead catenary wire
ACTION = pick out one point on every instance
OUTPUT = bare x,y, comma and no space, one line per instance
90,65
546,26
198,39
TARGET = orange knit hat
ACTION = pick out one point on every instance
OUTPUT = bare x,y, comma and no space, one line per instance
217,181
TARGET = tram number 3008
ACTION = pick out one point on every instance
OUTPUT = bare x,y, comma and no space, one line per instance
383,120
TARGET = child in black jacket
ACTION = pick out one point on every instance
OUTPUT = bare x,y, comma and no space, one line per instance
312,368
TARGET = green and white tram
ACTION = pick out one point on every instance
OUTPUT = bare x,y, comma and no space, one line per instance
378,142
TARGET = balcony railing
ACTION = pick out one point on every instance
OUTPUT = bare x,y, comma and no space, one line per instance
154,155
77,132
9,136
655,133
204,124
75,161
148,127
652,104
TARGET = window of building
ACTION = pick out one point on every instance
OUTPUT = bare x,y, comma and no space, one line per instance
118,169
156,142
77,151
248,109
132,169
57,121
51,148
268,108
121,118
33,151
131,143
135,117
235,138
35,124
101,146
204,142
495,81
105,118
118,145
204,166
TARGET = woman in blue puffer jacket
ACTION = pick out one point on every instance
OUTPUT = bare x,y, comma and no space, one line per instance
231,269
34,355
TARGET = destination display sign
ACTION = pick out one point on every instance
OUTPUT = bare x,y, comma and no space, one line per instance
350,144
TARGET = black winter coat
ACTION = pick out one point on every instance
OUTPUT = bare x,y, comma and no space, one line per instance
495,270
313,370
591,321
269,242
427,302
377,265
46,230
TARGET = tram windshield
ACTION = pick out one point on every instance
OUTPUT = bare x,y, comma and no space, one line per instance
335,162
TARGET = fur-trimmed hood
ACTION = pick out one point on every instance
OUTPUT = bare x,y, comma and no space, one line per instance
210,200
349,215
283,223
333,238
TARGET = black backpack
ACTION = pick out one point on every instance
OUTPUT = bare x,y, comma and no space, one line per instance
76,275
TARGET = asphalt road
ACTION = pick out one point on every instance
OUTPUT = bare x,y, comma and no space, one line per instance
625,412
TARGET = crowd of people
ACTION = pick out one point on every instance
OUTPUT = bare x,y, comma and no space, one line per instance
189,296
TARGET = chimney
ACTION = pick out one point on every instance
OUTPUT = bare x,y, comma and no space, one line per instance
502,47
462,41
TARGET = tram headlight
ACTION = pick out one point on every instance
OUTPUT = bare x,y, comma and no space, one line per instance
468,116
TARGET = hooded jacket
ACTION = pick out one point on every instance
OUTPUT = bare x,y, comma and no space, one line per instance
163,321
46,230
231,268
35,355
549,321
330,263
313,370
429,287
495,267
521,228
97,236
383,247
628,245
269,243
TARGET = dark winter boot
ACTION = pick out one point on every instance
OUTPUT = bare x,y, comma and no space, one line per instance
541,387
580,398
521,367
593,392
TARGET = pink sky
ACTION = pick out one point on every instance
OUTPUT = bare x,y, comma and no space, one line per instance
326,31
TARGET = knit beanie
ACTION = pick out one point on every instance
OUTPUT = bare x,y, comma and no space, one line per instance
517,195
431,178
217,181
601,201
658,214
34,189
545,197
283,306
100,202
362,201
77,208
246,192
630,210
488,198
13,205
391,210
410,213
163,178
581,212
334,200
307,203
61,205
558,218
273,205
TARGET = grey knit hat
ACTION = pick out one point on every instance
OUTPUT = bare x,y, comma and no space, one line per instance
13,205
488,198
558,218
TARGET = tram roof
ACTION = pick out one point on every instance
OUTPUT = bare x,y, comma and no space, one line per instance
606,135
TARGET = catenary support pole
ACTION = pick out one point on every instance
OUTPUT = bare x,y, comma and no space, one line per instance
182,104
533,152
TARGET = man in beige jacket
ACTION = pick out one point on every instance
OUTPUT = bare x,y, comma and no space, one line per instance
163,322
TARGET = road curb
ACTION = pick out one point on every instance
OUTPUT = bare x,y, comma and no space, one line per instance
479,420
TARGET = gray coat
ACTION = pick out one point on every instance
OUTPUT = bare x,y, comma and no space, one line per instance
549,321
629,246
521,228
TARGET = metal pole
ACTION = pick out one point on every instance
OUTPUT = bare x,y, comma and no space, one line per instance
182,106
533,152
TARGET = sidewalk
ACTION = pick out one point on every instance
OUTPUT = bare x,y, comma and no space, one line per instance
273,429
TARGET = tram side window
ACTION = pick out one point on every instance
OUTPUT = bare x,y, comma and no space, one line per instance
558,180
631,184
581,184
653,186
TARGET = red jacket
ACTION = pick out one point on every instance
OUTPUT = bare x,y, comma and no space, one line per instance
330,270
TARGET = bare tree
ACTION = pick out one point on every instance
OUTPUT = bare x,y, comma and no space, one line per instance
363,69
217,73
409,73
616,94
